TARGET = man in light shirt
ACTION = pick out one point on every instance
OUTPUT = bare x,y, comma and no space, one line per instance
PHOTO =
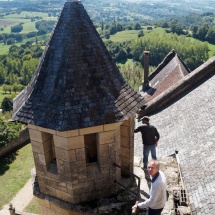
157,198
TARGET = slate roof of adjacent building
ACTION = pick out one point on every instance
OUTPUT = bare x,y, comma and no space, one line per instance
169,71
77,83
185,118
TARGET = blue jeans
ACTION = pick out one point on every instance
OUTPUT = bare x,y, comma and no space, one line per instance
146,150
154,211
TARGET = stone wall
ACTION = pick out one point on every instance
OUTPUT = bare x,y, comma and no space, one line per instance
22,140
74,180
127,146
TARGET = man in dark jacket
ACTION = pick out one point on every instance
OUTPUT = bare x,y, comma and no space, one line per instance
150,137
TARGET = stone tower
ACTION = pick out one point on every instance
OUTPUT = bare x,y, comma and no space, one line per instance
80,115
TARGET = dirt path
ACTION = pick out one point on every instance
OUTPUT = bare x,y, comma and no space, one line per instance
21,200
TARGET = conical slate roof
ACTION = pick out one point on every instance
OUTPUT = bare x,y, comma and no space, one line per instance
77,83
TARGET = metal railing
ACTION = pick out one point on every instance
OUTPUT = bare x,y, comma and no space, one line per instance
137,194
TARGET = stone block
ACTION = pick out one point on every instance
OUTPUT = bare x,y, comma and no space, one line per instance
41,209
64,196
106,137
112,127
82,176
38,136
65,177
124,131
81,166
126,123
46,130
69,143
37,147
91,130
65,155
80,154
71,133
105,161
60,166
48,211
83,187
40,167
34,127
42,159
59,210
103,150
50,182
43,202
48,158
42,187
47,145
125,152
50,190
125,142
51,175
125,162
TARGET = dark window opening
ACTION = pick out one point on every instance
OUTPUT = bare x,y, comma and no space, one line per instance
90,141
51,156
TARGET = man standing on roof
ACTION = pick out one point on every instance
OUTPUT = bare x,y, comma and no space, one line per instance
157,198
150,137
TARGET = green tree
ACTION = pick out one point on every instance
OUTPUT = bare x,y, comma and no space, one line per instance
140,33
160,45
133,73
210,36
2,73
17,28
9,132
5,88
137,26
7,105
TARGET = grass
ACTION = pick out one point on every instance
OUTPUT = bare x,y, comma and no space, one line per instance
124,36
23,17
33,207
14,173
4,49
29,27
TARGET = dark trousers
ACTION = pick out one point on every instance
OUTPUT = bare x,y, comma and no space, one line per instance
154,211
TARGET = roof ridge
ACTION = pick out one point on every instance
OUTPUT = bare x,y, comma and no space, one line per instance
184,84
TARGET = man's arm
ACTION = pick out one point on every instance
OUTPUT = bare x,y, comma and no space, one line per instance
137,130
154,193
157,135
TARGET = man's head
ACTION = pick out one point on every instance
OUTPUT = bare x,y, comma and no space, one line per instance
145,119
153,167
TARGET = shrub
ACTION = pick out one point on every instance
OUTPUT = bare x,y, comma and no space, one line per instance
7,105
9,131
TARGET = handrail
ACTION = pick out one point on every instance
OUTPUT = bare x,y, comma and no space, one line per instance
134,211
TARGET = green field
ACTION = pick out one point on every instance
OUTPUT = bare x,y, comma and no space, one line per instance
14,173
23,17
124,36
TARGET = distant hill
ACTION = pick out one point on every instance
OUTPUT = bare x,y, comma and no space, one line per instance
121,10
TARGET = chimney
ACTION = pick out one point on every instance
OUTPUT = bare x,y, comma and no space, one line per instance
146,71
